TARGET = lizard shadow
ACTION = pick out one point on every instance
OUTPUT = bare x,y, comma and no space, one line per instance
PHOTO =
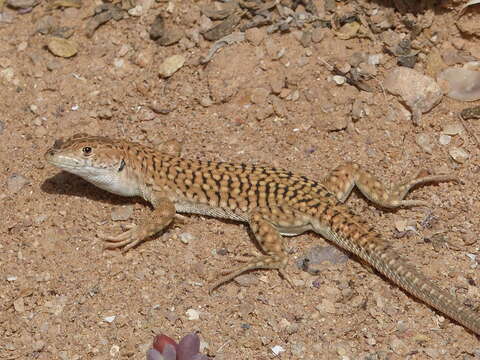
68,184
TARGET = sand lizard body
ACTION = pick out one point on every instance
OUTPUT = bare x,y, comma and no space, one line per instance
274,202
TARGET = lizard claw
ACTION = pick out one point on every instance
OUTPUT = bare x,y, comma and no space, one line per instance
127,239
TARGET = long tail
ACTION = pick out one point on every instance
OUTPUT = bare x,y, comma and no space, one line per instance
368,245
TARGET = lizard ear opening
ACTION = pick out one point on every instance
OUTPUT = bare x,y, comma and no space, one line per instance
122,165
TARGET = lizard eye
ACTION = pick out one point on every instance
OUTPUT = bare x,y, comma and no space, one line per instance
87,150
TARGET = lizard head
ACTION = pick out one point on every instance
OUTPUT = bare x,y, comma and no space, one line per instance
97,159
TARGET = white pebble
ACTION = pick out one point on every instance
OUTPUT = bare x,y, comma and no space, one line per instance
192,314
339,80
109,319
277,349
186,237
444,139
458,154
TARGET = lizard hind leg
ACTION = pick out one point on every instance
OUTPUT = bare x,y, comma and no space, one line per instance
264,223
343,178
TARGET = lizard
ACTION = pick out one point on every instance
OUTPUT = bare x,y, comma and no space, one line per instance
274,202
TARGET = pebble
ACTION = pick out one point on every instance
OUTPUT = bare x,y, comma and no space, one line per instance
358,109
16,182
171,65
420,92
339,80
186,237
118,63
399,347
444,139
192,314
136,11
326,306
318,34
255,36
374,59
19,305
62,47
2,127
460,84
38,346
458,154
109,319
425,142
277,83
124,50
454,128
7,74
259,96
277,350
22,4
122,213
206,101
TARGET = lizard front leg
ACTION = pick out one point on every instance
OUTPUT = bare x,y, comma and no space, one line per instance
155,222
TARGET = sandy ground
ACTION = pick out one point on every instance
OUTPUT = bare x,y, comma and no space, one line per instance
63,297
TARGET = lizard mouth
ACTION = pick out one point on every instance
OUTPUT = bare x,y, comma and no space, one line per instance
63,163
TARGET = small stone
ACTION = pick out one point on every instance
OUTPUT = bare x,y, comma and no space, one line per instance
11,278
459,154
62,47
136,11
434,63
38,345
40,131
255,35
318,34
122,213
171,65
22,46
105,113
374,59
124,50
277,350
277,83
53,65
192,314
7,74
367,70
425,142
306,38
444,139
19,305
460,84
348,30
2,127
143,58
259,96
22,4
206,101
186,237
420,92
16,182
358,110
339,80
109,319
326,306
118,63
454,128
399,347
